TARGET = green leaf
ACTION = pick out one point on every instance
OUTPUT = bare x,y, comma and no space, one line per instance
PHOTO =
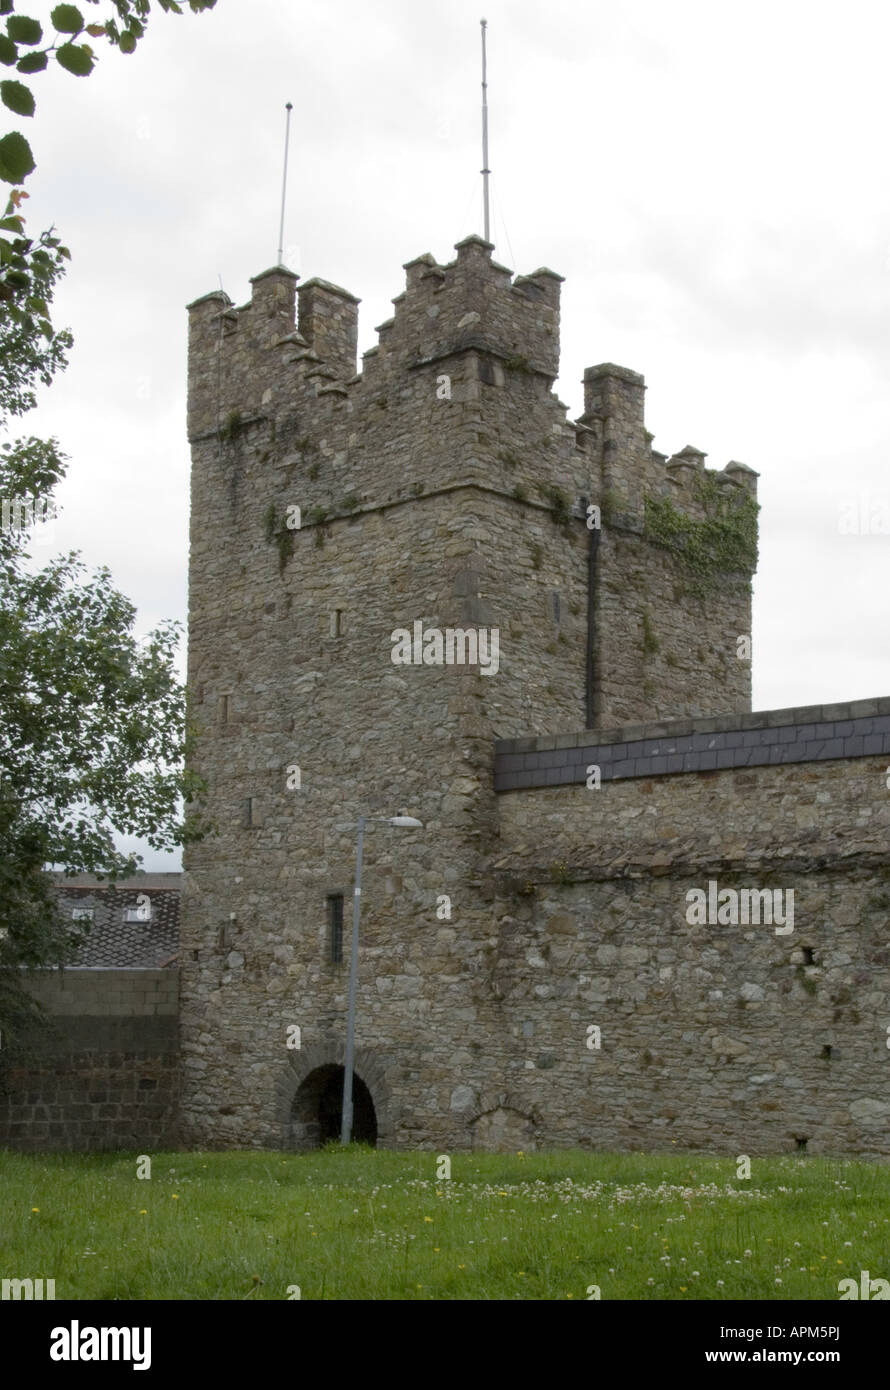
11,224
16,159
8,51
128,42
23,30
17,97
67,19
32,62
75,58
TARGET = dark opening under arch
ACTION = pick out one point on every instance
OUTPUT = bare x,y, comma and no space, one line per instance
318,1105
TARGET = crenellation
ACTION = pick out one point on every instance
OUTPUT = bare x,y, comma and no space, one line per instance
743,475
273,296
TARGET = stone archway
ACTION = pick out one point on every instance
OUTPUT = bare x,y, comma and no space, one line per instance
317,1107
503,1130
499,1121
309,1100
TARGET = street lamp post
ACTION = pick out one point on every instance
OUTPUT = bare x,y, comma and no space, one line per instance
406,822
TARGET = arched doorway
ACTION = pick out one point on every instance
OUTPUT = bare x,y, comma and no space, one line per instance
317,1108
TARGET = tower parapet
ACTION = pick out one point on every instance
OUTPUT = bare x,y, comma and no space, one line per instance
329,324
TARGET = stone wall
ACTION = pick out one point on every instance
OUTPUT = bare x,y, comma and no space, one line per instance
740,1037
104,1071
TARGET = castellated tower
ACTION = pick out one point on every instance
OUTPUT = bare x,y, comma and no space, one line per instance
442,486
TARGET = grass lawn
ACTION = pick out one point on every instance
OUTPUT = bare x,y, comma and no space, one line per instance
361,1223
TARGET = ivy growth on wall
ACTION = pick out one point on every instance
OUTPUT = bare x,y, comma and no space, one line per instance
723,542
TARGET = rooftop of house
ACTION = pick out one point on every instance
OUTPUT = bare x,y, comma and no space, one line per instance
134,923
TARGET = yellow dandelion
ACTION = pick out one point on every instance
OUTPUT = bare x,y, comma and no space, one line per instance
436,1249
682,1288
522,1274
175,1196
428,1218
35,1209
420,1286
461,1266
570,1295
143,1212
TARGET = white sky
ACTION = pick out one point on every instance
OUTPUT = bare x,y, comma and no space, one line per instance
711,179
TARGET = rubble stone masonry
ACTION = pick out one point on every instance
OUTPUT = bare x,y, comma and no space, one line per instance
445,484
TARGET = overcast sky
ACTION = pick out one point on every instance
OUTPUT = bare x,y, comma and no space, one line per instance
711,179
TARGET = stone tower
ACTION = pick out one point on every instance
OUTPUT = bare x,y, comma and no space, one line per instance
442,486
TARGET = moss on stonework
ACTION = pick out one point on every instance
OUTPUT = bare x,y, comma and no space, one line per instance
723,542
808,984
279,535
610,506
284,539
560,503
232,426
650,642
317,518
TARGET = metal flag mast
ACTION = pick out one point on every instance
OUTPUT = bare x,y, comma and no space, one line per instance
288,108
485,169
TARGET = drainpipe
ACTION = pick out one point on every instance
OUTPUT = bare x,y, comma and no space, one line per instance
592,561
591,624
